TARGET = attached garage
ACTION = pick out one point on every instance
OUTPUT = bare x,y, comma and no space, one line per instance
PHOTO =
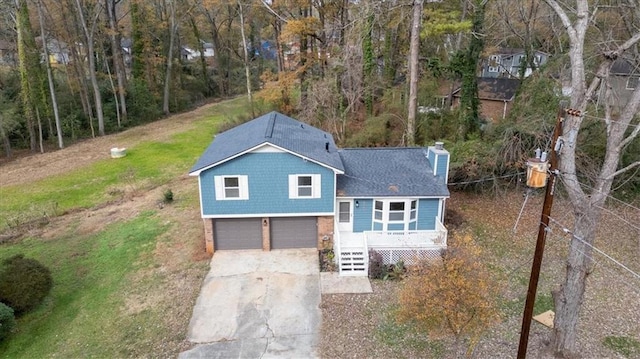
294,232
237,233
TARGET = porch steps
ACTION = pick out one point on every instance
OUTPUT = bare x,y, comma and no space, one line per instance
353,262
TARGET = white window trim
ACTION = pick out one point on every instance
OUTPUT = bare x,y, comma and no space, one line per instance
386,206
316,186
243,186
637,80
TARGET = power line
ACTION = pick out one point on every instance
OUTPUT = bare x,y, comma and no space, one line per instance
610,211
493,178
568,231
609,121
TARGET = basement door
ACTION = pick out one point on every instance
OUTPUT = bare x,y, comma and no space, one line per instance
237,233
294,232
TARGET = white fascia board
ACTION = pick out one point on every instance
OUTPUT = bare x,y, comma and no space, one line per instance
197,172
200,195
254,215
390,197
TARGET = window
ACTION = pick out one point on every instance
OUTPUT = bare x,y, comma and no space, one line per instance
396,211
632,83
378,211
305,186
389,214
344,212
412,215
231,187
494,63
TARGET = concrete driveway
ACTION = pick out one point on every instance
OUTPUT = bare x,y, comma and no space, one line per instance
256,304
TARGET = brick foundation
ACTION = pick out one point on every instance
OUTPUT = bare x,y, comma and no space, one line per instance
325,232
208,235
266,234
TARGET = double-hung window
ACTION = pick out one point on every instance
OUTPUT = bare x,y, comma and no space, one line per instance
305,186
231,187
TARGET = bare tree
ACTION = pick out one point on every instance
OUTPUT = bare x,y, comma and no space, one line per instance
116,54
577,19
52,91
89,31
414,71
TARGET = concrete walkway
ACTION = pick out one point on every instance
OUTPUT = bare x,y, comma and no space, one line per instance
332,283
256,304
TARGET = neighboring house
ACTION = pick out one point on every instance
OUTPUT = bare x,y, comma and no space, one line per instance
496,97
276,183
507,63
190,54
58,52
623,79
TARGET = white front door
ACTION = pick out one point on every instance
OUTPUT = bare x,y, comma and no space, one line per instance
345,216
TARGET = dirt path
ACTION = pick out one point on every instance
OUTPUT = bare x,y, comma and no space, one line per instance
36,167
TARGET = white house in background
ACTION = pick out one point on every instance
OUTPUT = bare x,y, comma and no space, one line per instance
190,54
506,62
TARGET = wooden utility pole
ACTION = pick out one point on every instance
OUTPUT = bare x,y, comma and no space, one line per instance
542,234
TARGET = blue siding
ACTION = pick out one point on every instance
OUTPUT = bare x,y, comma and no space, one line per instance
412,226
395,227
268,176
362,215
427,213
432,158
443,159
377,226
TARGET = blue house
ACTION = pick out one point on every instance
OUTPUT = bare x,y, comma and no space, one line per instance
277,183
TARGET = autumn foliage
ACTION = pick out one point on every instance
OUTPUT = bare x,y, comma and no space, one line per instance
453,295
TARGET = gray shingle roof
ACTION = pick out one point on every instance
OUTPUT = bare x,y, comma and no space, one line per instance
382,172
277,129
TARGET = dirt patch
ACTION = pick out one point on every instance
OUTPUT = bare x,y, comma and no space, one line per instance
27,169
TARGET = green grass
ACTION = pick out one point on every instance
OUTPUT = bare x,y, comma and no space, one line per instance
625,346
147,164
86,313
81,317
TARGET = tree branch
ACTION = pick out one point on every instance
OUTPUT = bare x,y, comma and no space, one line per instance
623,170
264,2
564,18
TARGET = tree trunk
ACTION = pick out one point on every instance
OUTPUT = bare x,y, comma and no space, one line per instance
26,91
5,142
569,297
52,92
172,39
414,72
116,56
247,71
88,34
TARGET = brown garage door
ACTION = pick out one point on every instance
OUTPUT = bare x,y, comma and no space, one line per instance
294,232
237,233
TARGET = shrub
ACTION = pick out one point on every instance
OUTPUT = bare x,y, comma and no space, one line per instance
24,283
377,269
7,321
168,196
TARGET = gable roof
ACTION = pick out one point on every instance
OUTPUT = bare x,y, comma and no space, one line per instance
273,128
383,172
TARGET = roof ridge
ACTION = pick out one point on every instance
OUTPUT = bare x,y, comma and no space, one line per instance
270,125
